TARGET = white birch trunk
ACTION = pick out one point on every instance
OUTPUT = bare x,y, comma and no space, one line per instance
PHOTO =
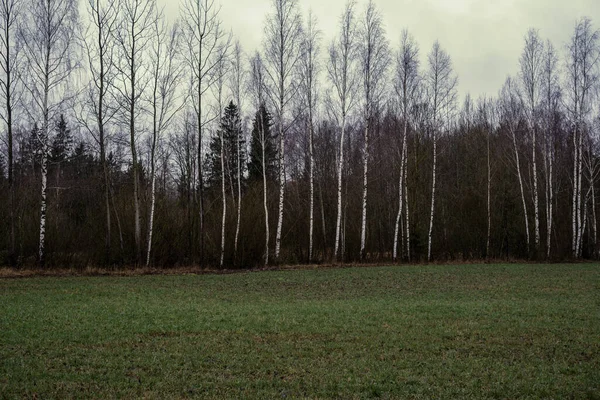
265,198
281,188
407,209
312,191
224,194
152,207
489,198
239,202
575,190
43,205
433,186
400,192
535,189
579,190
363,231
518,162
338,225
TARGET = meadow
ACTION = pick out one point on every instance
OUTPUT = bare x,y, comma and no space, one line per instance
461,331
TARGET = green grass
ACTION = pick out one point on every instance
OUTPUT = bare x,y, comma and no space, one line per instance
475,331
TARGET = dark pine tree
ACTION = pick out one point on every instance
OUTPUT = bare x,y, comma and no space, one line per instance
62,145
262,124
231,127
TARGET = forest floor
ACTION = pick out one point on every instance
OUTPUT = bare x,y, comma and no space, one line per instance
470,331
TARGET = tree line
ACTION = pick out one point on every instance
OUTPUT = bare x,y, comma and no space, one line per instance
131,140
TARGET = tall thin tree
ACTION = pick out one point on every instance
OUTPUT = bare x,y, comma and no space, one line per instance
374,60
341,70
165,100
134,35
203,35
98,41
406,84
48,38
9,68
441,85
310,68
282,53
531,63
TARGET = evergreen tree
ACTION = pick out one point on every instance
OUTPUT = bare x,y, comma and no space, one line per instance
262,124
62,144
231,127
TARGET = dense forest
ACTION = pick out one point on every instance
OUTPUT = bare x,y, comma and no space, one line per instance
129,139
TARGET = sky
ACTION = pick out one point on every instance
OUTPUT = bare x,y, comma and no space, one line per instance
483,37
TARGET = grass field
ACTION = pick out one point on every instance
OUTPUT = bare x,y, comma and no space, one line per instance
475,331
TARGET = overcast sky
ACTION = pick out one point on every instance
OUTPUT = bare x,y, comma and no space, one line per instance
483,37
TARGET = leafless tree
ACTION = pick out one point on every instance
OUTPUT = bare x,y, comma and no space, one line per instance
257,86
582,77
237,83
441,85
531,63
203,36
551,94
487,113
48,36
310,69
135,32
10,63
98,110
511,114
165,101
341,70
406,83
283,38
374,59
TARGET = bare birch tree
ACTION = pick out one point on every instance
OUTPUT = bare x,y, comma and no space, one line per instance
283,38
10,58
441,86
487,112
165,101
203,35
310,68
98,41
134,35
512,113
237,83
582,77
221,70
531,63
341,70
48,37
406,84
551,107
374,59
257,86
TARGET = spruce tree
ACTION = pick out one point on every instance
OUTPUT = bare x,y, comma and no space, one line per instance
231,126
262,125
62,145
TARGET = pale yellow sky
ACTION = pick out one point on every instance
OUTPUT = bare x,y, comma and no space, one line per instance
483,37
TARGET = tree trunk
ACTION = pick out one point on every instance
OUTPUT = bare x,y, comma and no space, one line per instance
518,162
433,187
239,202
312,190
400,191
489,200
536,207
363,231
338,225
224,194
281,185
265,195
